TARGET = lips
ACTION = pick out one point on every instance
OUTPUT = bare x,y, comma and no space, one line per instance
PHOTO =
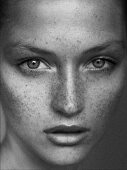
66,135
66,129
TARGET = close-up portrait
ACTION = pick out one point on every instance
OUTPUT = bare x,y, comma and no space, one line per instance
63,85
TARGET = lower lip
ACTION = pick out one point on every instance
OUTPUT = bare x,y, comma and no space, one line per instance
69,139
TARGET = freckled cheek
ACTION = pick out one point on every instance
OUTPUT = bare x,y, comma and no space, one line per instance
100,107
26,109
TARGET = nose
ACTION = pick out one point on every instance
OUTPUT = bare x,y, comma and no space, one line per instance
68,100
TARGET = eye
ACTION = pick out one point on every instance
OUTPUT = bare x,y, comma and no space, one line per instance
98,63
34,65
101,63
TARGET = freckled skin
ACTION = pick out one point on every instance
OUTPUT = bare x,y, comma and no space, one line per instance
64,95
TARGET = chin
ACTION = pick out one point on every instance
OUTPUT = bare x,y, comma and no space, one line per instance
66,156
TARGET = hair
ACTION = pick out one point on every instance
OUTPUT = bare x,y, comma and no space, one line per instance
4,5
124,5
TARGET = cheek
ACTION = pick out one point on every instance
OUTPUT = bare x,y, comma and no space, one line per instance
103,102
27,113
26,104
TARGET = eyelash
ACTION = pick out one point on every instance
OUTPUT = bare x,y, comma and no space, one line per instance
107,60
23,64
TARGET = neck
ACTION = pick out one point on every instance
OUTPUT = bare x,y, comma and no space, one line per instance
14,155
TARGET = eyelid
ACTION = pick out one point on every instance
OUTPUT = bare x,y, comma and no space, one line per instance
108,59
24,60
104,57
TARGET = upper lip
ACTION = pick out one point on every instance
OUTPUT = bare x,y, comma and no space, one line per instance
66,129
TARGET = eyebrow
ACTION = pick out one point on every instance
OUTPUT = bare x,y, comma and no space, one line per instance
93,50
106,45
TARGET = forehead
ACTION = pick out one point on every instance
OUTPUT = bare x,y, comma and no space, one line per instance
79,11
71,20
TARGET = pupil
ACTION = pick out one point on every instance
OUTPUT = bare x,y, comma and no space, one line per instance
33,64
98,63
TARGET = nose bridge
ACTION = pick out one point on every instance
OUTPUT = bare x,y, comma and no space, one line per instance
68,99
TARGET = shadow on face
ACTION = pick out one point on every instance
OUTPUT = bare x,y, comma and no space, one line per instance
62,63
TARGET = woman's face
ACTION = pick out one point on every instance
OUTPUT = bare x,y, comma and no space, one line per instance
62,63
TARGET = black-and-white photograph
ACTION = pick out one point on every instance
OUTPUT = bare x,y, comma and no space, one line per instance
63,85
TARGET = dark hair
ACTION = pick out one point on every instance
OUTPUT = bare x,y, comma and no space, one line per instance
3,4
125,12
4,8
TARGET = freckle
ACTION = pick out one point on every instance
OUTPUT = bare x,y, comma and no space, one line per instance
58,39
78,41
95,15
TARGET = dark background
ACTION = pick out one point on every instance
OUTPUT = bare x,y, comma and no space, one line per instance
111,152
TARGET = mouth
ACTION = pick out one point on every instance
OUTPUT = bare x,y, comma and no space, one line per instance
66,135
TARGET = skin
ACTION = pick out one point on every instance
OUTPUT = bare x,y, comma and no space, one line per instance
66,89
